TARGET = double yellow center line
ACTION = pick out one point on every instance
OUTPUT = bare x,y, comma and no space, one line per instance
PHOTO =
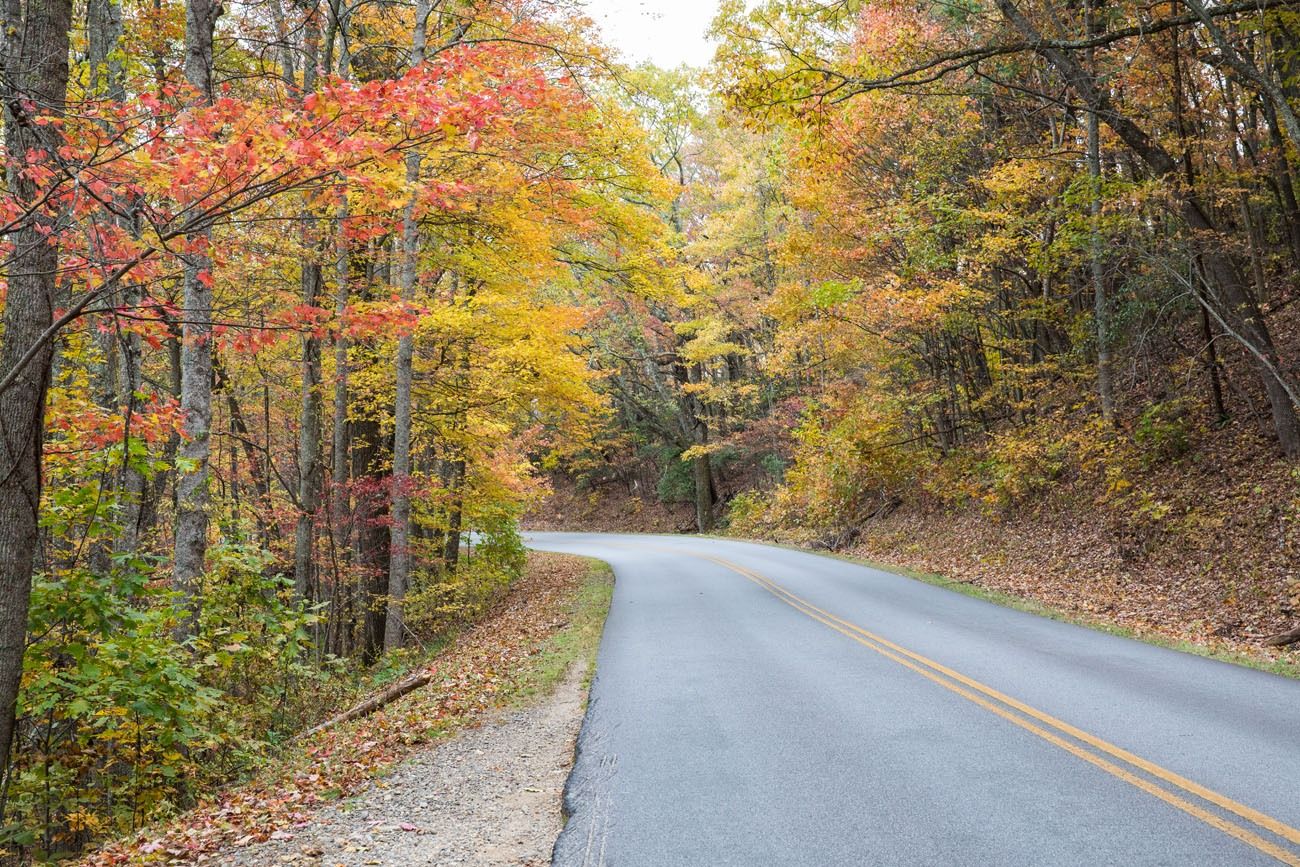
1178,791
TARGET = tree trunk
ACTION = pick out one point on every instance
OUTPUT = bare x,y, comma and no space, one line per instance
1211,359
339,523
134,485
454,481
257,461
123,351
399,569
370,535
339,434
192,494
309,445
375,702
310,469
702,474
1286,187
1096,253
399,563
103,48
34,86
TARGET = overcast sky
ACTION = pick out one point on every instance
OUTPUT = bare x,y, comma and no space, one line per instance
665,32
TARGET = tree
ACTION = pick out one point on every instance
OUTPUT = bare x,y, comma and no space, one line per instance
399,562
35,91
192,494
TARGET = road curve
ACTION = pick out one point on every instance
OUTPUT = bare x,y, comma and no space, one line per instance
754,705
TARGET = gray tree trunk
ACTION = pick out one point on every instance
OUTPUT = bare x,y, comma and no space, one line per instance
310,466
339,500
103,48
399,562
399,567
193,497
122,351
1097,253
339,441
34,51
309,444
454,482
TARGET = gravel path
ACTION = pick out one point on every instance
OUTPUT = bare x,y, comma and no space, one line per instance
489,796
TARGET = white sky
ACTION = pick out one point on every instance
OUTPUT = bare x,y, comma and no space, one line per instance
665,32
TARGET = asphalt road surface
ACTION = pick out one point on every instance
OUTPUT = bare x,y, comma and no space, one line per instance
759,706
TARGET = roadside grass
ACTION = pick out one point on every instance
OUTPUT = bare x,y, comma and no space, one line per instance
575,643
1286,664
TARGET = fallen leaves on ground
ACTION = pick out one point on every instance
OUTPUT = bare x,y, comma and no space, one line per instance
607,508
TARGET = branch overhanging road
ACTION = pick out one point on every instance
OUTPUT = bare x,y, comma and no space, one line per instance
759,706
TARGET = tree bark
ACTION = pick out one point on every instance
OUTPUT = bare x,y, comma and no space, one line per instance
370,535
696,428
1282,639
454,482
123,351
103,48
399,569
1096,252
702,474
309,444
340,526
310,469
133,484
192,495
34,52
375,702
340,432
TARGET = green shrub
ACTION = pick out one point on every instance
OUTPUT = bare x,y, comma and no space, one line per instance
746,514
114,711
1163,433
121,723
442,601
676,481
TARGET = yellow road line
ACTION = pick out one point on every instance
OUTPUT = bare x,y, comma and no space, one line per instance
972,689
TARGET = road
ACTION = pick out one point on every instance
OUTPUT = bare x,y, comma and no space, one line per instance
757,706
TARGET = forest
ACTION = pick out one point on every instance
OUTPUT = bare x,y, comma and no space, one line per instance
307,305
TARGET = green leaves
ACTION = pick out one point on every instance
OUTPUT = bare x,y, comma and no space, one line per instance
132,721
831,293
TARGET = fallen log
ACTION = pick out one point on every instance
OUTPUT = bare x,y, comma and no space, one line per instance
374,703
1282,639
